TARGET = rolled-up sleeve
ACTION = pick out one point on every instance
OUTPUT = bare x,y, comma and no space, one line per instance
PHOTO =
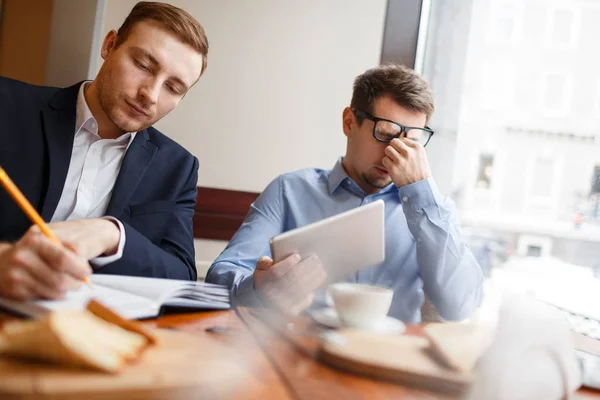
451,276
235,265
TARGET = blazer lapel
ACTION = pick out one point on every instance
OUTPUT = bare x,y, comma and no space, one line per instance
58,120
136,163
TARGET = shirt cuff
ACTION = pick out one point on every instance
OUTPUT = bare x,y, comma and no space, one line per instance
420,194
103,260
245,295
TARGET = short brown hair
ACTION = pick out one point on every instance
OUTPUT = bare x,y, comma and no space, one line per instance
403,84
174,19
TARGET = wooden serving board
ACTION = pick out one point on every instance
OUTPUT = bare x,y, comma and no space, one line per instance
403,359
182,366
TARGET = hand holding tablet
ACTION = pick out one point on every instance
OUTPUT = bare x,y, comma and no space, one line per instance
306,258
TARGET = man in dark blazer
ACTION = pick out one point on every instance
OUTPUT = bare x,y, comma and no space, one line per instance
116,191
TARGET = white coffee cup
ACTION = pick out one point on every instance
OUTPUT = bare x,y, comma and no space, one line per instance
359,305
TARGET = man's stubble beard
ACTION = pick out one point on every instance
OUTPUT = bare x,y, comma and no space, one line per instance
378,182
110,105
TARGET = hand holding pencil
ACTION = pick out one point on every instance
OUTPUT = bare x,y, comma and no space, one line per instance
38,265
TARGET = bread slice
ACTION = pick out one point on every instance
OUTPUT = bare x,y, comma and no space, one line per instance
78,339
458,345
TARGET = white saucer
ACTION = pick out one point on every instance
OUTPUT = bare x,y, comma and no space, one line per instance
329,317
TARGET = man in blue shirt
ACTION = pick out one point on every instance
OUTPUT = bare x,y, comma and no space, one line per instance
386,132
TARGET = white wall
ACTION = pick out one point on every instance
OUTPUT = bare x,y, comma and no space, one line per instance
279,75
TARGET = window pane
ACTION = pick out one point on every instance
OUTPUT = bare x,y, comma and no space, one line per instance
503,23
555,92
562,26
484,176
542,177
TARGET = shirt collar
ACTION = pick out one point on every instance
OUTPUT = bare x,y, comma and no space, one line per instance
84,115
85,119
336,176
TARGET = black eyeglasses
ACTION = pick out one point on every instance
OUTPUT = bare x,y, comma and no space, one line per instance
385,130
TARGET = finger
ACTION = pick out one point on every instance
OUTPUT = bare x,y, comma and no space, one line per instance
388,163
40,290
302,280
409,142
60,258
17,285
291,281
306,268
25,287
34,229
33,278
401,144
264,263
320,275
310,274
282,267
394,155
70,283
28,259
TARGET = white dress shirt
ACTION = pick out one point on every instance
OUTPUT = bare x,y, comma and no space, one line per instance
93,170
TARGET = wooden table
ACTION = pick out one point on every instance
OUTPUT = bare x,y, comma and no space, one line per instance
283,360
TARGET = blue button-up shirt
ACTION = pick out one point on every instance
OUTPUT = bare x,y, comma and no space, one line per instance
423,246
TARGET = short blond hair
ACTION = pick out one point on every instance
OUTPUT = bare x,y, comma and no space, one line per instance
174,19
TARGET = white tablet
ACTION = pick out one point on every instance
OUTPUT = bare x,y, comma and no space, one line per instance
345,243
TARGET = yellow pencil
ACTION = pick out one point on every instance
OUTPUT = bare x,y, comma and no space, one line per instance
28,209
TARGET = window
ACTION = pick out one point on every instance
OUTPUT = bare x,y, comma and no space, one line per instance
555,94
542,177
595,186
503,23
534,250
533,246
496,85
486,168
562,27
593,205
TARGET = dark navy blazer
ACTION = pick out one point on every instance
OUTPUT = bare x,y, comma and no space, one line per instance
154,195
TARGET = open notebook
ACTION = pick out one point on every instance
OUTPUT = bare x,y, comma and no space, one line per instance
131,297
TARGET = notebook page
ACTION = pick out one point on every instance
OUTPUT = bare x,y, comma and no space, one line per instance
156,289
126,304
193,292
198,303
